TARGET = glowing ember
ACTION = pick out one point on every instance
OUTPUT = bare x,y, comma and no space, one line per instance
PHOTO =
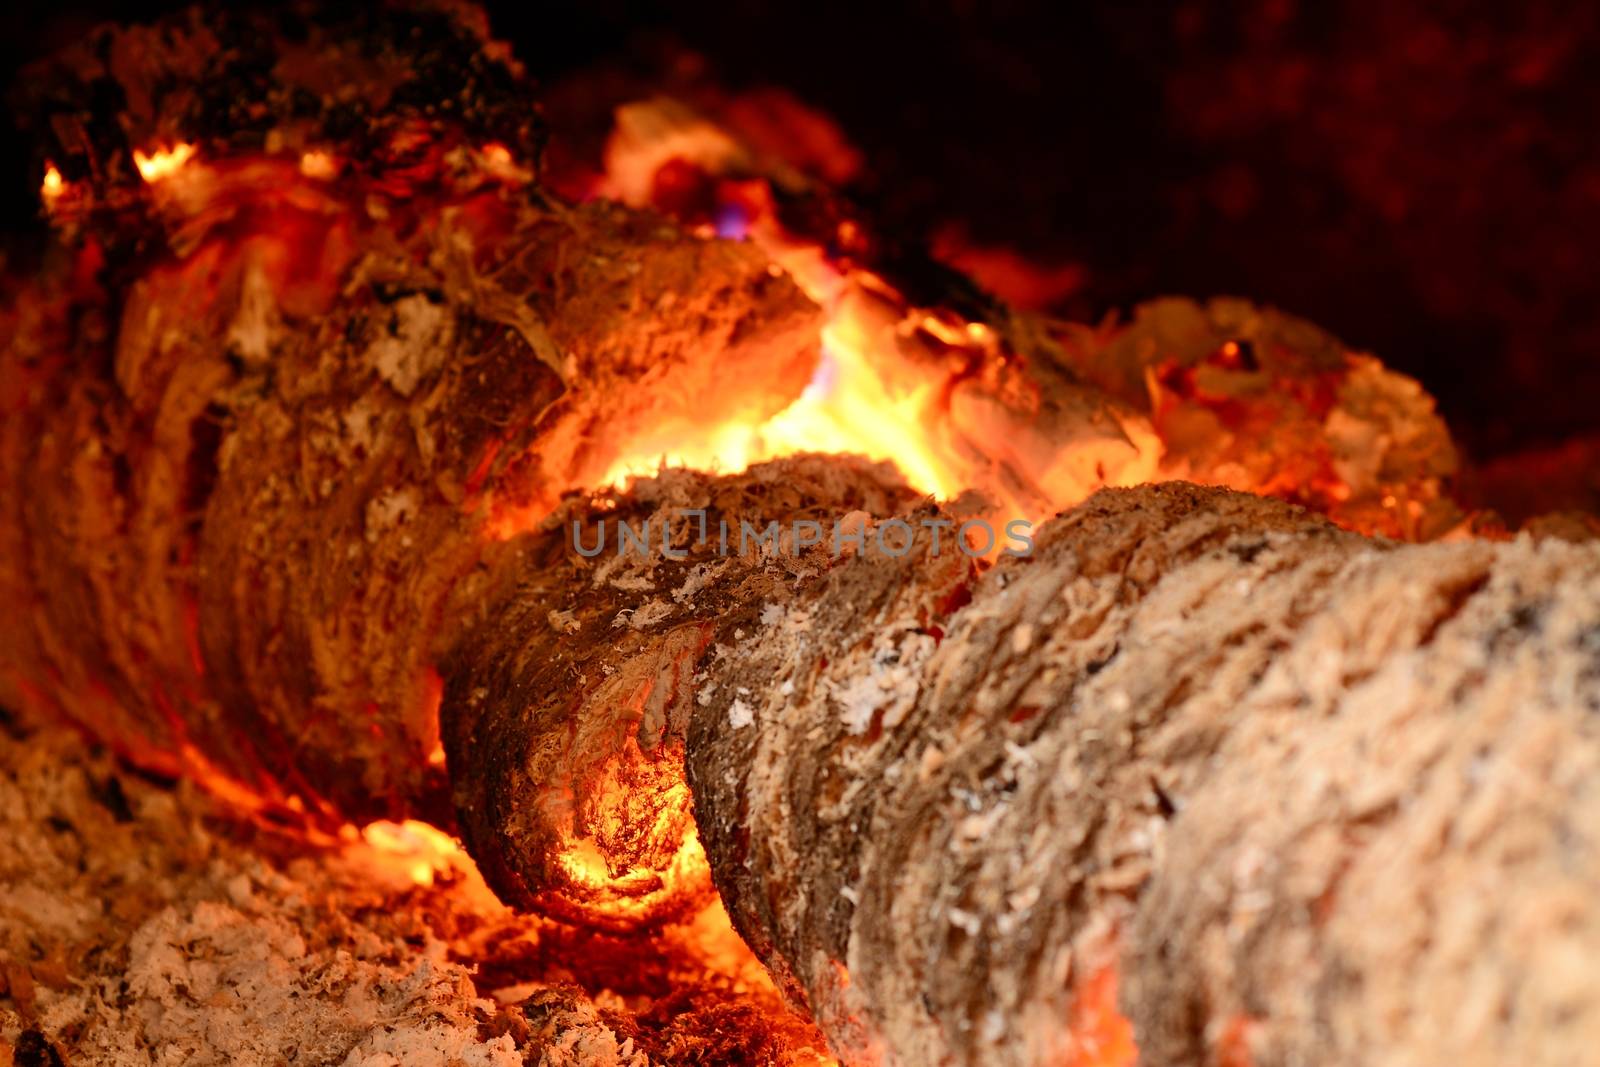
54,184
318,165
424,850
629,852
1103,1035
163,162
497,160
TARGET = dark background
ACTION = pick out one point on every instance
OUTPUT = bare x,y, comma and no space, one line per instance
1423,179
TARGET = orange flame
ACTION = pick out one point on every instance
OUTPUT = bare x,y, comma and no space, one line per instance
922,388
845,409
881,390
163,162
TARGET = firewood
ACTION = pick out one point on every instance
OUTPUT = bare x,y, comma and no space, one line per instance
275,406
1282,779
288,478
566,707
214,512
1189,745
1237,394
1259,400
247,397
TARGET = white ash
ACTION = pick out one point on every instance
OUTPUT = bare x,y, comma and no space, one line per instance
414,344
145,926
649,613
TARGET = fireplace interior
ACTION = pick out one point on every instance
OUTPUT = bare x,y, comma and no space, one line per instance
646,535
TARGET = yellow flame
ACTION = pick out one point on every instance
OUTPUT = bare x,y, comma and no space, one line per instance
163,162
731,447
850,406
874,398
424,850
54,185
888,385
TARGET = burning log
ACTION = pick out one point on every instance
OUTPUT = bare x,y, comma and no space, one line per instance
216,513
269,372
297,426
566,708
1184,750
226,448
1257,400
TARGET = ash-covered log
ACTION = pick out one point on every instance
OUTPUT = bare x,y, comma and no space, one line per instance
566,707
229,448
216,514
1290,793
1314,798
